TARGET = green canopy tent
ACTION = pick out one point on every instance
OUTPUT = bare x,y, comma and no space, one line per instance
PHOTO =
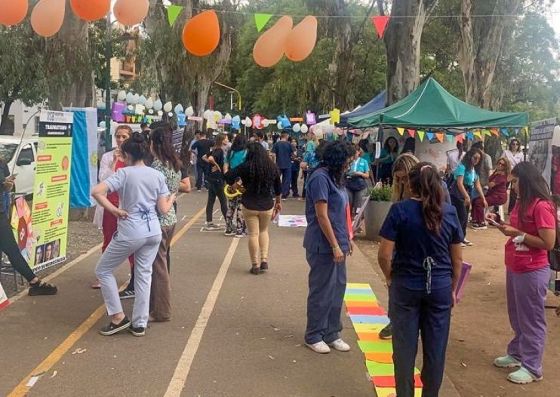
430,106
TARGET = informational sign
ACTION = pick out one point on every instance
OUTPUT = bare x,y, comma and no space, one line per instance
23,228
52,190
544,150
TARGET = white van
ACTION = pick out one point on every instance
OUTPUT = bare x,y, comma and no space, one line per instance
20,155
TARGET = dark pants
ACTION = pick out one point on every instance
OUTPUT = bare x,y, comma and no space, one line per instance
478,206
216,189
9,246
202,171
294,181
512,200
305,174
414,312
327,284
462,212
286,174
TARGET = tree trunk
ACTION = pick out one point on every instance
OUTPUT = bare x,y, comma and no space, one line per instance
6,124
402,40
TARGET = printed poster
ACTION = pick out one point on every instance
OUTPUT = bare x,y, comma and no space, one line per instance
51,194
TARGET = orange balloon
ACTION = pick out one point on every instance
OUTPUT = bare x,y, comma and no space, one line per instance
302,39
131,12
201,34
269,48
91,10
13,11
47,17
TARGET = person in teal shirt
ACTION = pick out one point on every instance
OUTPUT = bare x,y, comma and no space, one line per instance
356,181
235,157
389,154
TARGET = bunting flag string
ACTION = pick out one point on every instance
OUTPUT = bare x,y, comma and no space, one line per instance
400,130
411,132
261,20
380,23
173,12
450,138
430,135
421,135
460,138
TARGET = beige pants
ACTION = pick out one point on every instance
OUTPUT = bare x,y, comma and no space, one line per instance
257,228
160,294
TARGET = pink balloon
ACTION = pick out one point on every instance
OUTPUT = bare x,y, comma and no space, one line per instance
269,48
131,12
302,39
47,17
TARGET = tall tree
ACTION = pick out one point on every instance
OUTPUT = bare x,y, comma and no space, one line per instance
403,42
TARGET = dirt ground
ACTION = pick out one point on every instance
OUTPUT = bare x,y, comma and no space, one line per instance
480,327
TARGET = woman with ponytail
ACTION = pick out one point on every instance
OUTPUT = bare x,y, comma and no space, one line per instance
420,256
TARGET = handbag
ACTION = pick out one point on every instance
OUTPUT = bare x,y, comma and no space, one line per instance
356,183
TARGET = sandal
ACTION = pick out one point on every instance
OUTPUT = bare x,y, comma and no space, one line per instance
42,288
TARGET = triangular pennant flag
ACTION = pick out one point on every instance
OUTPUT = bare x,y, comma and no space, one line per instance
439,136
516,131
421,135
495,131
477,134
460,138
450,137
430,135
505,132
470,135
411,132
486,132
335,116
380,23
261,20
173,12
400,130
525,130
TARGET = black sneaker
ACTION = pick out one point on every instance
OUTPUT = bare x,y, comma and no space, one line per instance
229,233
42,288
137,331
387,332
264,266
112,328
127,294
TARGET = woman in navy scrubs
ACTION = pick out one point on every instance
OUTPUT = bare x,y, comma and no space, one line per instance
420,255
327,243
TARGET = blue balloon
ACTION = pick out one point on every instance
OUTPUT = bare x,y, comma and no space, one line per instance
236,123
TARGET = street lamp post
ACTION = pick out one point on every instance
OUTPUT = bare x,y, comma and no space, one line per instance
234,90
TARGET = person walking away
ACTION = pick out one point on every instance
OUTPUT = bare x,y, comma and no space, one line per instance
235,157
384,163
282,151
215,160
422,275
261,139
532,233
260,179
9,245
167,162
202,147
110,163
496,195
515,156
356,181
465,180
327,242
296,161
141,189
310,161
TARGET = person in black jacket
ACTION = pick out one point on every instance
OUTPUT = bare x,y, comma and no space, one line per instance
260,179
9,246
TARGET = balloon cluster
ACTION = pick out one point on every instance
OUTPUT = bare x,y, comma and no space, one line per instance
48,15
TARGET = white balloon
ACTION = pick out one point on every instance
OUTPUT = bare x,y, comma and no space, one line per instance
151,111
149,103
170,114
121,95
158,105
296,127
266,122
304,129
168,107
227,116
218,116
130,107
207,114
136,99
279,125
142,100
102,124
248,122
160,113
130,97
190,111
179,108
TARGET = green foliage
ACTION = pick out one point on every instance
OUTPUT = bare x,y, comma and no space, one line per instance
381,193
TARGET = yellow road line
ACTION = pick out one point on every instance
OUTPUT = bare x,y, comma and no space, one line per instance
22,389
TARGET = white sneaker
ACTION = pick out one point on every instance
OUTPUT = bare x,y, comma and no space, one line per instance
340,345
319,347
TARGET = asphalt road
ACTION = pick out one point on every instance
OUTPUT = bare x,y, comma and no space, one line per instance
231,334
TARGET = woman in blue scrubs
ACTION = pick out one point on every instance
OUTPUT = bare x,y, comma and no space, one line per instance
327,243
420,256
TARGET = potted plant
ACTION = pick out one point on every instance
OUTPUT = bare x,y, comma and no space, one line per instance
377,210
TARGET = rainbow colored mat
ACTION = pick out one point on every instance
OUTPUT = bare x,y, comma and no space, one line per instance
368,318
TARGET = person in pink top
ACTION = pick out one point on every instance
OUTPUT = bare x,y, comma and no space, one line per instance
532,233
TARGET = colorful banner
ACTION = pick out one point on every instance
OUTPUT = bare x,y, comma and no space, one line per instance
52,190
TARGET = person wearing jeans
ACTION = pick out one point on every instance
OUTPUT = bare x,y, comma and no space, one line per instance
260,179
215,160
422,275
532,233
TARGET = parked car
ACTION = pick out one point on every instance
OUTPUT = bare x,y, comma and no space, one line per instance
20,155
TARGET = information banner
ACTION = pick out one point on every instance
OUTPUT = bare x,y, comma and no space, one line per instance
52,189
